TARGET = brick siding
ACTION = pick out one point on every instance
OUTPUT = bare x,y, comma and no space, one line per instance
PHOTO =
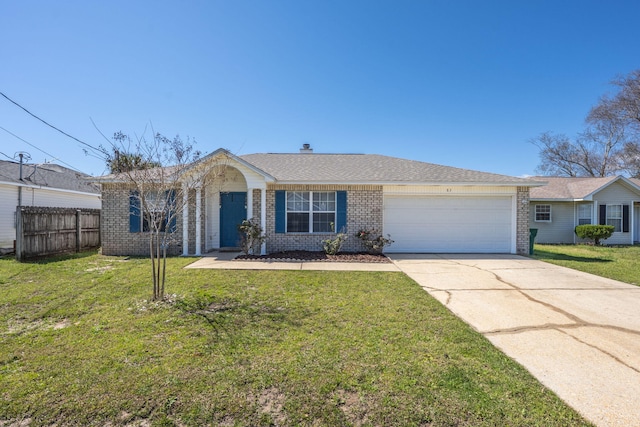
364,211
114,225
522,221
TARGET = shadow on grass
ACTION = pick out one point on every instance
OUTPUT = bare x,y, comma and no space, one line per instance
59,257
228,317
546,255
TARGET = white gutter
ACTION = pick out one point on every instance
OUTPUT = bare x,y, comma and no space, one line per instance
40,187
413,183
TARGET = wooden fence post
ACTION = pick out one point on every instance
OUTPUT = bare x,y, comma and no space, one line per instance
78,230
19,234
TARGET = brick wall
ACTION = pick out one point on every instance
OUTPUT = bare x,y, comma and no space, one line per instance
114,225
364,210
522,221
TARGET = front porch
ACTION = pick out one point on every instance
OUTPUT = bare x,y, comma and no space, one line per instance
222,193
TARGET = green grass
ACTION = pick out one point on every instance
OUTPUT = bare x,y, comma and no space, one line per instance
615,262
80,344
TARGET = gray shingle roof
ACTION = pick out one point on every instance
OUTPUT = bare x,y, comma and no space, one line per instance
568,188
47,175
368,168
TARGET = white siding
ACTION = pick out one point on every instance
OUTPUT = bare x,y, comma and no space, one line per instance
233,180
8,203
447,190
59,199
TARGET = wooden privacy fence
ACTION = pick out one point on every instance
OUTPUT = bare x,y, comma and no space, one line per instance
43,231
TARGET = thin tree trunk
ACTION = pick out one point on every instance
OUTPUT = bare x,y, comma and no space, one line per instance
158,267
153,267
164,268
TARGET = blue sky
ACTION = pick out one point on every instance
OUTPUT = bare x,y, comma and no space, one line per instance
459,83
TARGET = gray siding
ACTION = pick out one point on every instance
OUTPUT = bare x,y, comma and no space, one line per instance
618,194
560,229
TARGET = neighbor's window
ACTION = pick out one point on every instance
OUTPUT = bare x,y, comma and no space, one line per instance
543,213
584,214
311,211
614,217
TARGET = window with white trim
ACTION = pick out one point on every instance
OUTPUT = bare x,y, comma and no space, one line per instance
584,214
614,217
311,211
543,213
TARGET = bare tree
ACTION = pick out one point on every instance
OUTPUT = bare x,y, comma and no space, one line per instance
164,171
609,144
622,112
624,106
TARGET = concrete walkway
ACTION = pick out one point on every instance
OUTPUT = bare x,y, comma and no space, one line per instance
577,333
224,260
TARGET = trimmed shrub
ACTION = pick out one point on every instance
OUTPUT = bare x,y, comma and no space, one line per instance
333,246
373,240
594,232
251,236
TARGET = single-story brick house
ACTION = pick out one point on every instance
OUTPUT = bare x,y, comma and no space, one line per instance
298,197
558,207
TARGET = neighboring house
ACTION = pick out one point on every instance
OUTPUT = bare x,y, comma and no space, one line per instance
46,185
297,198
558,207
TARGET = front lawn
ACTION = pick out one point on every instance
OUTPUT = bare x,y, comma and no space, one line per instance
615,262
80,344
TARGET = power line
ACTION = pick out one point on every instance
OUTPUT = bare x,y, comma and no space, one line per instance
42,151
50,125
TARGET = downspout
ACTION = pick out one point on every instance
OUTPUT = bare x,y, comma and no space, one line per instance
575,221
20,186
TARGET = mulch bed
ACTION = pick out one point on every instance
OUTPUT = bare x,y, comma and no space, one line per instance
309,256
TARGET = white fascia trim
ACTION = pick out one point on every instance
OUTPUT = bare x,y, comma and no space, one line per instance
40,187
230,155
413,183
551,200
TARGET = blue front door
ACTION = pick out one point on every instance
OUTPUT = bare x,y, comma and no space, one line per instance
233,210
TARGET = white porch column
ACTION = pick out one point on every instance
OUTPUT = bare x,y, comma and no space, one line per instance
249,203
185,220
263,217
198,221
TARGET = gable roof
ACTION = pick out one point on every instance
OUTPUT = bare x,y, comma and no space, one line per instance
369,169
575,188
317,168
46,176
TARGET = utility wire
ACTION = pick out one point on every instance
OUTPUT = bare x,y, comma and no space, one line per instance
42,151
50,125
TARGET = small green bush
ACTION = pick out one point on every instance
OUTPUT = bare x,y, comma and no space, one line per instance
251,236
373,240
594,232
333,246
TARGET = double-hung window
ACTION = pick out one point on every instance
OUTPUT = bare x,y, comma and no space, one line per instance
311,211
154,211
584,214
614,217
543,213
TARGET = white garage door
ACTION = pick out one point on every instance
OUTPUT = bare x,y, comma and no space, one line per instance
454,224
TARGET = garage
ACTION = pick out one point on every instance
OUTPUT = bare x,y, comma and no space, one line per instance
450,224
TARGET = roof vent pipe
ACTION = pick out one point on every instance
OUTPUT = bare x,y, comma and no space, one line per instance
306,148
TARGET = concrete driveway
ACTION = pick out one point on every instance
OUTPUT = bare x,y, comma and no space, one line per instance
577,333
